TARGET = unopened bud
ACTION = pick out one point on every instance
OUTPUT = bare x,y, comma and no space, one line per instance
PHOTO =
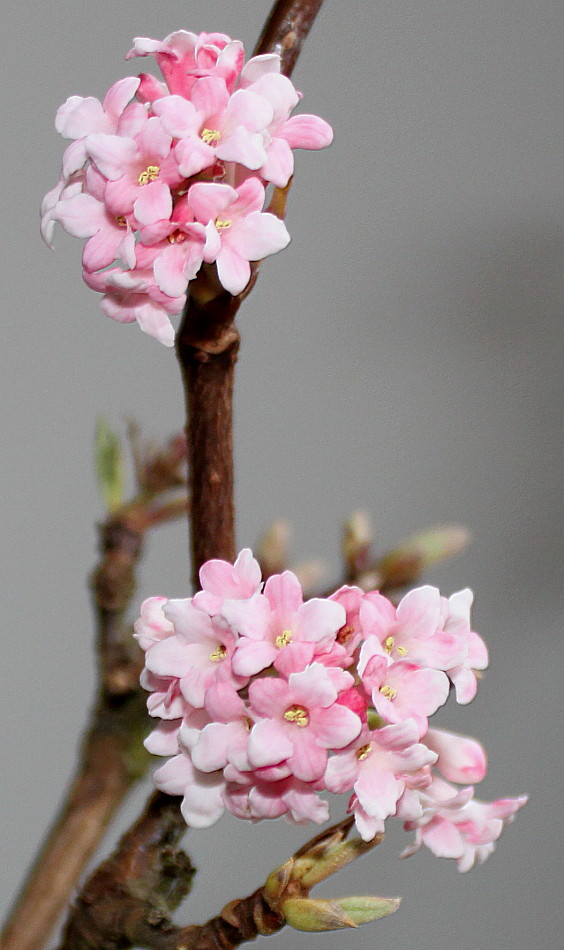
272,549
311,869
357,540
404,564
315,916
109,466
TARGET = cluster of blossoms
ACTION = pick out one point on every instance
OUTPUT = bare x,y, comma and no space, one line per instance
265,701
162,177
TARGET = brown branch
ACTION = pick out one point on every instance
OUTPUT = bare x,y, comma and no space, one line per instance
286,29
112,756
130,898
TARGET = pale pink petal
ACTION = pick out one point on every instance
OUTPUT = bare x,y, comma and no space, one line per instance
341,773
259,66
244,147
284,593
169,657
306,131
154,320
111,154
210,96
208,200
308,761
173,777
120,94
461,759
169,271
80,216
78,117
163,740
234,273
336,727
268,744
252,656
279,165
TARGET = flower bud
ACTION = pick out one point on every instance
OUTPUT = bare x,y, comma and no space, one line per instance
339,913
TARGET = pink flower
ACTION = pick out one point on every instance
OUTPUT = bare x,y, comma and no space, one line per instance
222,581
401,690
199,653
475,653
184,56
278,628
378,769
140,170
213,125
285,133
152,625
202,792
79,117
298,721
412,630
131,296
454,825
237,230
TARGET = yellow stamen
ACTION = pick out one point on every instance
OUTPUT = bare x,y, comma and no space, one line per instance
177,237
120,221
151,173
388,691
220,225
363,752
389,644
219,654
402,651
284,639
210,135
297,715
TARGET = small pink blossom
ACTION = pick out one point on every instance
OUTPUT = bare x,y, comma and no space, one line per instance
199,653
378,771
401,690
237,229
455,825
277,628
411,631
222,581
298,721
456,613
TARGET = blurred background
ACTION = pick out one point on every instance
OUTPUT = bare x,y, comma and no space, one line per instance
403,356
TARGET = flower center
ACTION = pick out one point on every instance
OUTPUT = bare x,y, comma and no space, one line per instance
389,646
151,173
209,136
219,654
363,752
297,715
177,237
388,691
120,221
345,633
284,639
221,225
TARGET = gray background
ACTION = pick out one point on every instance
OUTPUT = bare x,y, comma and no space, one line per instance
402,355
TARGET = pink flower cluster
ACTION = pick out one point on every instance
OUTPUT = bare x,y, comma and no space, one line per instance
266,700
162,177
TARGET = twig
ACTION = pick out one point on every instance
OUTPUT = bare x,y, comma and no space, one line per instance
130,898
112,756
